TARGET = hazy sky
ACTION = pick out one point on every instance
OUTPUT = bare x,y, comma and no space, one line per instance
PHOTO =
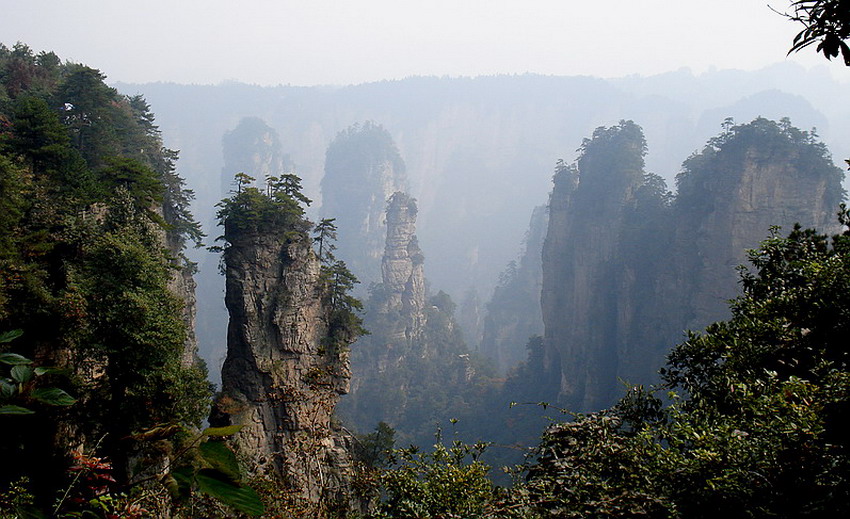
307,42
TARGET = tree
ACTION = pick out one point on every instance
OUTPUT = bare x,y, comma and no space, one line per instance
325,236
87,275
241,180
450,481
290,185
826,22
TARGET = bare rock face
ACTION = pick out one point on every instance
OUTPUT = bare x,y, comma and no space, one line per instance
282,379
586,212
182,284
402,268
747,191
627,268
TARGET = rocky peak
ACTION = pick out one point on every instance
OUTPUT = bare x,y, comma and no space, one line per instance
627,268
402,267
282,378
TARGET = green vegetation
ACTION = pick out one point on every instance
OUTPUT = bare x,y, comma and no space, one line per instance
17,387
448,481
749,426
434,376
251,211
726,151
93,220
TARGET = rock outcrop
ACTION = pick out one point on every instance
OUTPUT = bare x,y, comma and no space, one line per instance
402,269
363,169
283,374
627,268
586,214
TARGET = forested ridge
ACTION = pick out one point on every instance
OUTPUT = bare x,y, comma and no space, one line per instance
100,382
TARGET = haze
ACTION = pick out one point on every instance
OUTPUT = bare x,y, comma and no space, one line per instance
271,42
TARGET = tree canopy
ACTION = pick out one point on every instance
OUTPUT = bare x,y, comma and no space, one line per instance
826,23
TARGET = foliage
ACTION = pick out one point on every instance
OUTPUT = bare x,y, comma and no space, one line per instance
826,22
374,449
212,469
17,497
93,218
344,321
20,386
802,148
448,482
202,467
251,211
620,148
325,235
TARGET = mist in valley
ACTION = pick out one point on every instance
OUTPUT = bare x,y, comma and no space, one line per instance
456,222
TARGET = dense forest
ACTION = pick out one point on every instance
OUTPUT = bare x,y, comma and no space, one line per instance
650,352
94,225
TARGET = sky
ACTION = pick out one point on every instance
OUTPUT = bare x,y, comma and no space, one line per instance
315,42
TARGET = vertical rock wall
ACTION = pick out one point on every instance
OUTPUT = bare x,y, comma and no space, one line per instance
626,271
402,269
586,214
281,379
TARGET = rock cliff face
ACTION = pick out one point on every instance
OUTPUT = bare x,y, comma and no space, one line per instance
513,313
362,170
402,269
396,315
586,212
282,378
754,177
627,268
182,284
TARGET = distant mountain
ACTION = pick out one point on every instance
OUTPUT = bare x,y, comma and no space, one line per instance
479,152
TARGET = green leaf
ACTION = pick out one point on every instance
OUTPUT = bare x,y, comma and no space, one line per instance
10,335
7,390
13,359
181,481
230,430
21,373
14,409
221,458
53,396
215,484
